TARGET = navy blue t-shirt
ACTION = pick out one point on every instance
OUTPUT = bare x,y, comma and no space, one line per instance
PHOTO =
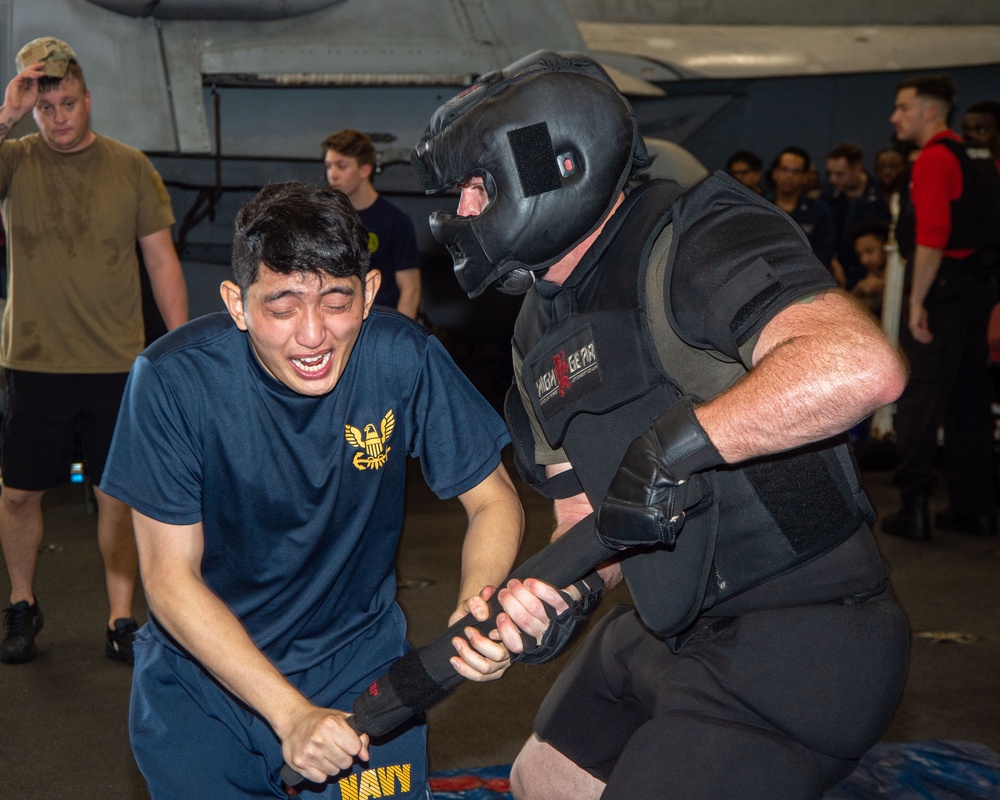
392,242
300,498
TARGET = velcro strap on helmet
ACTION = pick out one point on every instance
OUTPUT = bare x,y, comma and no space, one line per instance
535,159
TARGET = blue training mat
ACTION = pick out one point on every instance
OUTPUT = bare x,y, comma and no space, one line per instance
933,770
487,783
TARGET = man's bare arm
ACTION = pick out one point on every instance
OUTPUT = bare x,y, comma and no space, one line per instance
408,282
20,98
926,263
496,525
820,365
165,277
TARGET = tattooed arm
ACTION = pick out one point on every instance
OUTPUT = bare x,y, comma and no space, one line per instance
22,92
820,365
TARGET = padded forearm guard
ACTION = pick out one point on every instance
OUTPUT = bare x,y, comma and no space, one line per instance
657,485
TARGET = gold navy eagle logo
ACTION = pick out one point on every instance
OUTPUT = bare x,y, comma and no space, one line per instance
371,443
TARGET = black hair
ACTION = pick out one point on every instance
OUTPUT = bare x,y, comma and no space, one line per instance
849,151
794,150
990,107
748,157
892,148
878,228
937,87
299,228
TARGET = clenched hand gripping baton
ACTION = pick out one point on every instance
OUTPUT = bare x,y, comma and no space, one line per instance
425,676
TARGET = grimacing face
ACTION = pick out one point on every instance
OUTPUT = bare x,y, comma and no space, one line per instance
302,327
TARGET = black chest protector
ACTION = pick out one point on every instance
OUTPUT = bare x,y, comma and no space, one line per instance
599,360
975,216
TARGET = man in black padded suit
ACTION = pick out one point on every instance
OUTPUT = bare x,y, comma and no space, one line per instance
685,369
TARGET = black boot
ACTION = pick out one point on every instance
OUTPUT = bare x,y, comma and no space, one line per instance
912,521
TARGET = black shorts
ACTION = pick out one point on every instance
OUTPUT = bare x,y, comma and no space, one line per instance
772,704
46,415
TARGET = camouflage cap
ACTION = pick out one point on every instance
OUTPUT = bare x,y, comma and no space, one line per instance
54,52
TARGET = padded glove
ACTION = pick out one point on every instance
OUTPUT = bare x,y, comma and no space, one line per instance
563,626
653,491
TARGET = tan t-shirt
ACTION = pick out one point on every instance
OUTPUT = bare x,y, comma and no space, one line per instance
73,221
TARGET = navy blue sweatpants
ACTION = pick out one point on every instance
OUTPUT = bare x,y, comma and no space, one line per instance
191,738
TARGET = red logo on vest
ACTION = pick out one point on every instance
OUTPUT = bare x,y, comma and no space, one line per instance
561,368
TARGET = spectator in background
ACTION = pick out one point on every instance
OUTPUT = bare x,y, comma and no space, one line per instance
853,197
73,321
981,127
890,172
947,233
349,156
788,172
869,239
810,182
746,167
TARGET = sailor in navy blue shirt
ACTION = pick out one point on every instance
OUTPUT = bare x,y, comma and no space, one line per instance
264,453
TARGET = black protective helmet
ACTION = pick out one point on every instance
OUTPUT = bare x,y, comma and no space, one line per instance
554,142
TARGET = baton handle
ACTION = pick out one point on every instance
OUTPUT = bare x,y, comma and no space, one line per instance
292,777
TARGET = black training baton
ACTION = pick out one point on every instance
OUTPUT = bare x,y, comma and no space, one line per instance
425,676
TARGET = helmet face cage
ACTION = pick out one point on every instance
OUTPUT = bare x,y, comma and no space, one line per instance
555,143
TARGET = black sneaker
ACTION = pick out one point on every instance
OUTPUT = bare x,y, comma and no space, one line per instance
20,624
119,646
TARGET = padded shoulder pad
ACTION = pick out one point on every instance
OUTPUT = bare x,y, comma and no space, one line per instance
736,260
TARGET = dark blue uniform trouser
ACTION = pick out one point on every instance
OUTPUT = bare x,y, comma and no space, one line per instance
191,738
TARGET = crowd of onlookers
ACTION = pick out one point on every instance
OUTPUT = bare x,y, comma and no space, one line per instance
933,197
847,212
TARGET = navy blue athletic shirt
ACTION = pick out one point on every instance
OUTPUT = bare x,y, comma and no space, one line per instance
301,498
392,242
